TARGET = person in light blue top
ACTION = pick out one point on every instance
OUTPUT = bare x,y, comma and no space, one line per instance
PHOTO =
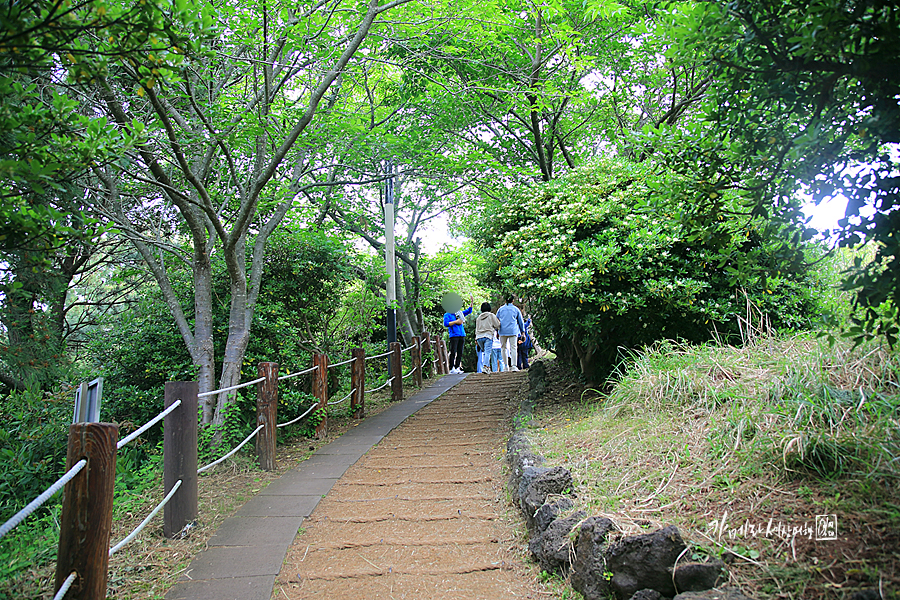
511,325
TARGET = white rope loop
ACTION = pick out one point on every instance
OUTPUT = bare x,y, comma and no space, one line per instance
65,586
148,424
311,408
388,353
340,364
232,453
232,388
342,399
385,384
298,373
143,524
37,502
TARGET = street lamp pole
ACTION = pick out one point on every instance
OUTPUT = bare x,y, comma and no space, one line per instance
389,254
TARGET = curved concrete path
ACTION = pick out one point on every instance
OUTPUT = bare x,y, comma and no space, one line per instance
246,553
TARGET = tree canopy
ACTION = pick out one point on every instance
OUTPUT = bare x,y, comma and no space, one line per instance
179,139
805,97
602,258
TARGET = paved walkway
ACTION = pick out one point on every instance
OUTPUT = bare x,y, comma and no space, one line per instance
424,514
247,552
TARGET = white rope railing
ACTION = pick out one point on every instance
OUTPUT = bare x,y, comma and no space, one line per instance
311,408
232,453
340,364
410,347
411,371
148,424
232,388
342,399
298,373
143,524
65,586
385,384
379,355
37,502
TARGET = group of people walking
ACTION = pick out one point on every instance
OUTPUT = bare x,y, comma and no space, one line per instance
503,340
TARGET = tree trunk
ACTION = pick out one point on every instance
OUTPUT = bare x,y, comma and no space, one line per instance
202,343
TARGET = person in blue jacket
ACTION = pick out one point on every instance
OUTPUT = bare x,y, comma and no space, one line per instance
511,326
454,324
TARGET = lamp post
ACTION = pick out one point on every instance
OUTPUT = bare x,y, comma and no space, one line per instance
391,294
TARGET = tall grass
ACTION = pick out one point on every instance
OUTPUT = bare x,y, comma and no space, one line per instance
826,409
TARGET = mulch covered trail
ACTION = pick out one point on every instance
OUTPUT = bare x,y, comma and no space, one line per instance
425,513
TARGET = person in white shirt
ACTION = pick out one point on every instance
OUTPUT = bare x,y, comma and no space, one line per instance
485,326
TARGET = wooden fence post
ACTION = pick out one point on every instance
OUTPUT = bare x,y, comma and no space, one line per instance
428,366
320,391
267,414
358,383
396,372
442,359
437,356
415,354
87,510
180,456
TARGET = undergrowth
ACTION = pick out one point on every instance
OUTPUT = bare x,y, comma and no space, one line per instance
722,441
147,567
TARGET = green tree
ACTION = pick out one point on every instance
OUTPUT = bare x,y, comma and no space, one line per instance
601,258
298,311
230,142
48,52
53,289
807,96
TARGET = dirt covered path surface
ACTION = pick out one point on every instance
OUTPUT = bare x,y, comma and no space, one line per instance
425,513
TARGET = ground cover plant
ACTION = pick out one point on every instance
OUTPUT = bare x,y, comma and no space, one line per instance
742,448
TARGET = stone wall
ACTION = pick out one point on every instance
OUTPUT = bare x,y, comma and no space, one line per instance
590,549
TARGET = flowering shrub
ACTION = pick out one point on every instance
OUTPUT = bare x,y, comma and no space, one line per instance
604,263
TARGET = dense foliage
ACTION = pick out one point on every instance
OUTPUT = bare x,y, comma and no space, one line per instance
604,262
805,97
138,350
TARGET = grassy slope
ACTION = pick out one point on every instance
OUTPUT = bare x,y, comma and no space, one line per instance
771,434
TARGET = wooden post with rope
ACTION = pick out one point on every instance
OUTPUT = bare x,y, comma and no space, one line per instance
320,391
396,372
415,354
358,383
87,510
180,457
267,414
428,366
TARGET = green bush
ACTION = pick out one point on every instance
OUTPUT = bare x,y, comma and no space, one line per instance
604,263
33,444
